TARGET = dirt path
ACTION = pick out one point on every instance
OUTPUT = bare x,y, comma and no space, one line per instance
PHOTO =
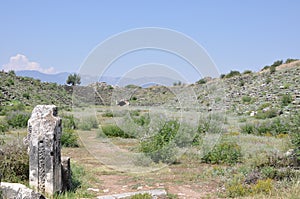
101,157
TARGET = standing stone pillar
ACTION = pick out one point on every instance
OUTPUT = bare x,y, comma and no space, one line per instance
43,139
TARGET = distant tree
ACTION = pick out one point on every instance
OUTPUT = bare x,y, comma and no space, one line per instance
247,72
74,79
232,74
201,81
266,67
289,60
277,63
222,76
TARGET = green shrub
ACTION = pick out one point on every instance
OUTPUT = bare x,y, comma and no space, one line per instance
18,119
3,125
26,95
224,152
108,114
286,99
248,128
69,122
267,114
161,146
246,99
273,127
69,138
14,163
113,130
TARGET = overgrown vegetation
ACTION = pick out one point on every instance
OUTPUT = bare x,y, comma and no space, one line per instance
14,163
228,152
161,146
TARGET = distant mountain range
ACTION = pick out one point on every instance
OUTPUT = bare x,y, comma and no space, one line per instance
60,78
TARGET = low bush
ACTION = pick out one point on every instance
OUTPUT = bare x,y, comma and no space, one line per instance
108,114
14,163
69,138
113,130
266,114
246,99
18,119
3,126
161,146
227,152
69,122
274,127
286,99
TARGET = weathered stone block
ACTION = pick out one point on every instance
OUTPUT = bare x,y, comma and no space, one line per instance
66,173
44,134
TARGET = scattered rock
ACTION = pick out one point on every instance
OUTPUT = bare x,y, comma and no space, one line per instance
18,191
154,193
93,189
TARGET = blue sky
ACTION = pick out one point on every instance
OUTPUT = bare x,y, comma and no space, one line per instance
56,36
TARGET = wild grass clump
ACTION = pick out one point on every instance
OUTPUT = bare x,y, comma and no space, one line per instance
212,124
87,123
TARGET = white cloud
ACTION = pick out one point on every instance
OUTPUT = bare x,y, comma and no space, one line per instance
21,62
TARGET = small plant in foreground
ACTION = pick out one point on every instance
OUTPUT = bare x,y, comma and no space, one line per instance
224,152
